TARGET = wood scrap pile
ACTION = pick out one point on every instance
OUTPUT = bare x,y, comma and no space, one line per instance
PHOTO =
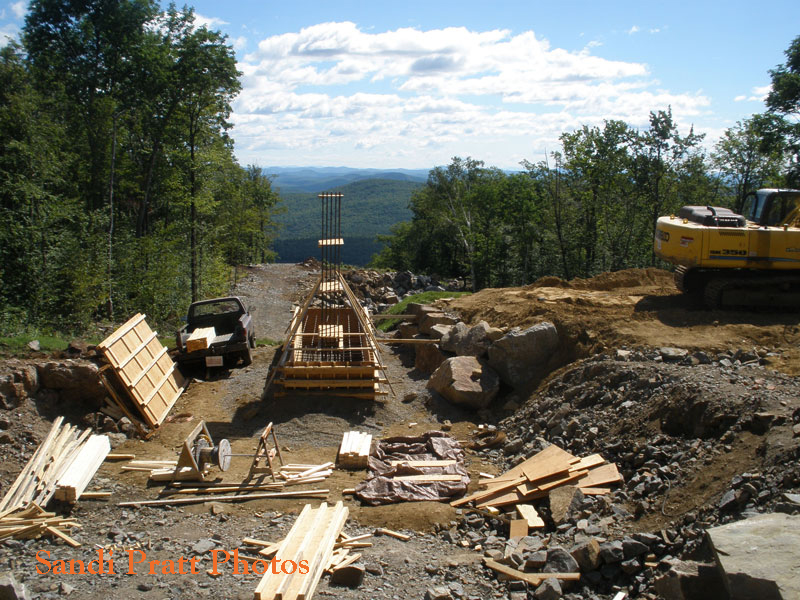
38,482
72,483
311,539
354,450
427,467
32,522
536,478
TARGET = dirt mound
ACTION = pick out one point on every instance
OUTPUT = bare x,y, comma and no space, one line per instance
636,307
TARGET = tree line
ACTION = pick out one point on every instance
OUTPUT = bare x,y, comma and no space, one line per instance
119,190
592,205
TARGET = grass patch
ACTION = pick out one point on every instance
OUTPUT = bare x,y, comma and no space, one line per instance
268,342
17,345
421,298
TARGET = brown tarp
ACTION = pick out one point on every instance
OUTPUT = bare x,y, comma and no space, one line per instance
381,488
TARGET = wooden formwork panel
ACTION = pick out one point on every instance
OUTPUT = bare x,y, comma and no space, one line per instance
144,368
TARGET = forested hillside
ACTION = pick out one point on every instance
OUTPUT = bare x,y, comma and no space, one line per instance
369,208
119,191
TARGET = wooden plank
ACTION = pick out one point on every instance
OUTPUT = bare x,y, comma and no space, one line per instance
121,331
269,583
200,339
604,474
595,491
394,534
424,463
588,462
518,528
533,578
241,498
427,478
528,512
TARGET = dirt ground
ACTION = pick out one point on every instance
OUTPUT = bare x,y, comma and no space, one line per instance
635,307
629,309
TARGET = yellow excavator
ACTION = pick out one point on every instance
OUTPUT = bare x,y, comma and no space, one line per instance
737,261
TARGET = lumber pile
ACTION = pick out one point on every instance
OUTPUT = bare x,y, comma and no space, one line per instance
72,483
354,450
32,522
312,539
537,476
38,481
200,339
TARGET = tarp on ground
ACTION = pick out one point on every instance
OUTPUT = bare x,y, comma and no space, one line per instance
381,487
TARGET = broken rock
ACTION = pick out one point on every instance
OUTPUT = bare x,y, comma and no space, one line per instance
520,355
428,358
465,381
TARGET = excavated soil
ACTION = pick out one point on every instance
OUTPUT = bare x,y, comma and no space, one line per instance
630,309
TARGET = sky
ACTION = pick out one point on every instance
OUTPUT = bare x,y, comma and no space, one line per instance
377,84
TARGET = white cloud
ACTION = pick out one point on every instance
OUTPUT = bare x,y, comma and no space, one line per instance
415,95
240,43
208,22
757,94
19,9
634,29
8,33
655,30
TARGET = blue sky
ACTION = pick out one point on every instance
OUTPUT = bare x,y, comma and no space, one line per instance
412,84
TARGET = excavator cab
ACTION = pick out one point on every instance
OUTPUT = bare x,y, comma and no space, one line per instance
772,208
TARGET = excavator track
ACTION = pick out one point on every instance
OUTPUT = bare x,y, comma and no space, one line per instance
752,291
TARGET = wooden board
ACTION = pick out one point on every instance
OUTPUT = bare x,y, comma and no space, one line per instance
599,476
145,369
533,578
200,339
528,512
518,528
424,478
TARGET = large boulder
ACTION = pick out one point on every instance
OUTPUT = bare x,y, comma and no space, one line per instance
468,341
758,556
429,320
520,355
466,381
428,357
74,379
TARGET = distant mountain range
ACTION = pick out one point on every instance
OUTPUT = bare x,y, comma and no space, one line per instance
323,179
373,201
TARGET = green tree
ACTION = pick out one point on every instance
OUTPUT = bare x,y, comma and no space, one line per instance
745,162
784,99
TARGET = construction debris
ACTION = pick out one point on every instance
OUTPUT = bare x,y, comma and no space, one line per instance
310,542
237,498
428,467
354,450
537,476
32,522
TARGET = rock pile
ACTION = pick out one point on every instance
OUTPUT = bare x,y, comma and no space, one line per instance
700,440
380,290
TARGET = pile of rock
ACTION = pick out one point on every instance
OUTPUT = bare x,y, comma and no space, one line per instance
469,363
378,291
706,407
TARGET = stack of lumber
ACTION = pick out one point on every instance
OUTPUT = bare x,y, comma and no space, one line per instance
33,521
535,477
312,538
354,450
38,480
200,339
72,483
